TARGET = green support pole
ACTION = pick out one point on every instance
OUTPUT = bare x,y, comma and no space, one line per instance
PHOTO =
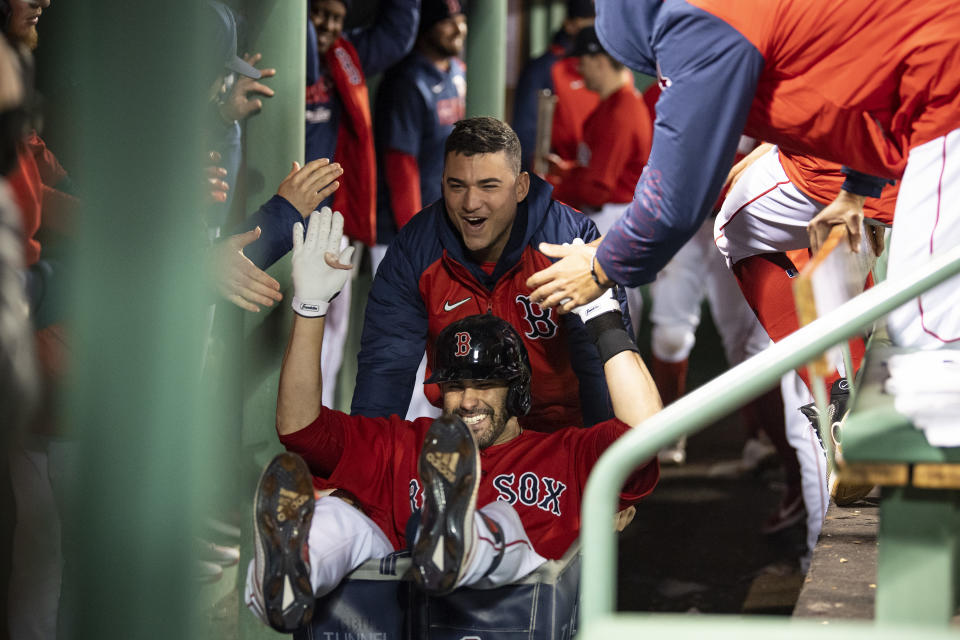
274,139
487,58
558,12
538,28
136,319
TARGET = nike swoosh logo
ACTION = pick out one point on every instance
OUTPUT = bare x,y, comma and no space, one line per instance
450,307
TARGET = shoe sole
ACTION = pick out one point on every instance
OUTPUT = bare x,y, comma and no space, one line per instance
449,468
283,512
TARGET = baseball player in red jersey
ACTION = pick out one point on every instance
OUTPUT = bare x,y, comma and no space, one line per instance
527,485
762,222
555,71
869,84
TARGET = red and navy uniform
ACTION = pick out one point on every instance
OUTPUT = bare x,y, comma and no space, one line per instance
417,106
555,71
426,281
856,82
329,135
616,143
338,121
541,475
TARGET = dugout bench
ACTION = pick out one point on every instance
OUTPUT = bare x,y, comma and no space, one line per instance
918,559
377,602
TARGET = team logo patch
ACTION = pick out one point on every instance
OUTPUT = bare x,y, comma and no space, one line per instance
663,80
450,110
463,343
540,321
416,495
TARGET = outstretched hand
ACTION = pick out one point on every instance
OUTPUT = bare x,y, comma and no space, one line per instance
237,279
320,268
567,283
238,104
217,189
307,187
846,210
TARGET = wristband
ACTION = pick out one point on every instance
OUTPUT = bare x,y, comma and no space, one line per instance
593,273
309,308
863,184
609,335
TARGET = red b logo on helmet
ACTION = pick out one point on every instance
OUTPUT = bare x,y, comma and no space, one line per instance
463,343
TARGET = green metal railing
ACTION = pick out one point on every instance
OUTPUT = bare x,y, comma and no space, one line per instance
693,412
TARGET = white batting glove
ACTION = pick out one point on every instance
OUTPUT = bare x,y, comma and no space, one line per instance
315,281
604,304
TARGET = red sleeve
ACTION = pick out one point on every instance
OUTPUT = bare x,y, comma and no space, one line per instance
608,151
320,443
403,180
596,440
584,187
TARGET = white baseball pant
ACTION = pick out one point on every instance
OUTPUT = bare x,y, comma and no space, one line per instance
342,538
698,270
926,223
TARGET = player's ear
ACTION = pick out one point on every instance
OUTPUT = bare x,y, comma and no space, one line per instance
522,185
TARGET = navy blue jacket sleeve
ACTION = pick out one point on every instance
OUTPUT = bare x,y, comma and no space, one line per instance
389,38
709,74
276,219
400,113
394,337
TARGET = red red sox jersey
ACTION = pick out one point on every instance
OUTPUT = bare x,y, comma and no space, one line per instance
541,475
450,292
574,104
616,143
822,179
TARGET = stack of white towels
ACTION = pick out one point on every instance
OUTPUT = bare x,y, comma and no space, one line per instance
926,386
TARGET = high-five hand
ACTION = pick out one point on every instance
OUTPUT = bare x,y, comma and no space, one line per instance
320,269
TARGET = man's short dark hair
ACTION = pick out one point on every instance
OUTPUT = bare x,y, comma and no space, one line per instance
484,134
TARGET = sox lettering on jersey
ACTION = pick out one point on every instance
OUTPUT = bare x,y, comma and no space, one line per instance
540,321
530,490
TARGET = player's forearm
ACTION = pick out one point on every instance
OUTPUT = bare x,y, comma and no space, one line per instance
301,385
632,390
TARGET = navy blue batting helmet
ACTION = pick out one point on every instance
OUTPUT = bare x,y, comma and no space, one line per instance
484,347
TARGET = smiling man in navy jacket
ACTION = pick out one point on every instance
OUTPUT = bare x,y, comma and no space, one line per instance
471,252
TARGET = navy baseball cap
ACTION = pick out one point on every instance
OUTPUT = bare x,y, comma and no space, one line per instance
222,29
587,43
433,11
